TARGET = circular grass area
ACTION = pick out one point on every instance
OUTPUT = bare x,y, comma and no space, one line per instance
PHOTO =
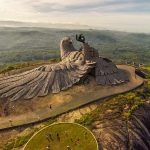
63,136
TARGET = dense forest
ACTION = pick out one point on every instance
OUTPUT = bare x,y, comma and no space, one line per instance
29,44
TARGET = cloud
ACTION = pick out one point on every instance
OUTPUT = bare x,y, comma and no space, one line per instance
96,5
129,15
48,7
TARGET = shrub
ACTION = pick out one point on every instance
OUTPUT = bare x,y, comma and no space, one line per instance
85,120
147,76
132,109
20,141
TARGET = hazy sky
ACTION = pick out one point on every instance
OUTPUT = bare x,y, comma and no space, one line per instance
126,15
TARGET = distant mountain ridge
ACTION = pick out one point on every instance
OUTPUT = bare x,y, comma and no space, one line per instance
43,25
18,44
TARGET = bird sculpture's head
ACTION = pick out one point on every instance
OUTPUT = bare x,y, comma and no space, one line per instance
69,53
66,46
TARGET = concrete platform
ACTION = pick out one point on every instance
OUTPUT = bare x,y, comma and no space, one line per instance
68,100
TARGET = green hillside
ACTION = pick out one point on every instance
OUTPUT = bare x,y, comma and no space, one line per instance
28,44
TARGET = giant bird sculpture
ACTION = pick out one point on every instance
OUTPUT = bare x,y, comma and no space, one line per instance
53,78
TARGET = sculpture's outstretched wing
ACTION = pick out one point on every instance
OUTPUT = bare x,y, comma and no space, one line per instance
107,73
42,80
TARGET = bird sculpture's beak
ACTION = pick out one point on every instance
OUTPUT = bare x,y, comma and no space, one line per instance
70,41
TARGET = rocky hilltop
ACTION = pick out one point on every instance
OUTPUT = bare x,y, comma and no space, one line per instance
121,122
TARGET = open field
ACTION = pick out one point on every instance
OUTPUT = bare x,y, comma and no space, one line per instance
59,136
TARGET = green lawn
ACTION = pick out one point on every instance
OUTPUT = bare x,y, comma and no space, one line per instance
73,135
